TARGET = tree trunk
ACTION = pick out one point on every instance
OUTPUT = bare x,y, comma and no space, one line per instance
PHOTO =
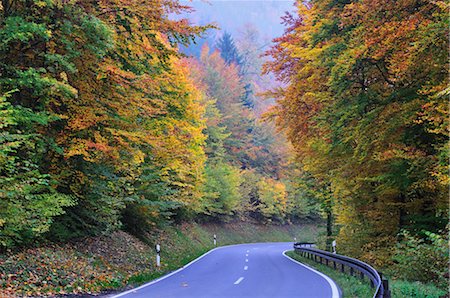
329,227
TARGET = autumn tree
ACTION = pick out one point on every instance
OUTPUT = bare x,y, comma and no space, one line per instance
149,134
362,81
107,116
40,43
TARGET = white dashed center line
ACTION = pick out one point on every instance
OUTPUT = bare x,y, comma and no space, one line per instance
246,255
238,281
245,267
246,260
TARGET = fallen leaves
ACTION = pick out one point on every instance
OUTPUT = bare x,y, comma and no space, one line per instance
88,266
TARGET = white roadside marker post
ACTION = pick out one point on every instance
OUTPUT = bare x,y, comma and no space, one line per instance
295,239
215,240
333,244
158,257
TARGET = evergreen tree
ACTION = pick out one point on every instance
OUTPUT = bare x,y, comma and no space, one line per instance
228,50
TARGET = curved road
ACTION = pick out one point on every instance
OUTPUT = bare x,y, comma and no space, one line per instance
245,270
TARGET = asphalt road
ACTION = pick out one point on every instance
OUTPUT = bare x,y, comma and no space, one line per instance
246,270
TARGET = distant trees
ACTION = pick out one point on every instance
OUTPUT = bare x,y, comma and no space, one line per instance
227,49
245,166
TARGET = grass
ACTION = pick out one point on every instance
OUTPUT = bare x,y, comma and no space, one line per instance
353,287
403,289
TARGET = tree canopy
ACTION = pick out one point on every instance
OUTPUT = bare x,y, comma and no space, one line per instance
363,105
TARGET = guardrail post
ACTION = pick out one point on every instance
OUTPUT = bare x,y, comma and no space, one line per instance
342,268
326,262
361,274
351,271
334,265
387,292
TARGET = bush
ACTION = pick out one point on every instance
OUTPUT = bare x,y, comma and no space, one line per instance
425,260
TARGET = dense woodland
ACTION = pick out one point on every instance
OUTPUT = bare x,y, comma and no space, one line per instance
106,125
365,105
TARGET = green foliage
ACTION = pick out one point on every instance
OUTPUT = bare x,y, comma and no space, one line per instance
28,199
216,133
307,197
403,289
249,191
222,196
18,30
422,259
109,128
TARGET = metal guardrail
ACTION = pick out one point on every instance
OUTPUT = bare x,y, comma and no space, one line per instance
307,249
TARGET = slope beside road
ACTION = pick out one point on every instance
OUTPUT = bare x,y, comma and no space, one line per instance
245,270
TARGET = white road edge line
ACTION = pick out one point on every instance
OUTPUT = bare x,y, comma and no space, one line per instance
238,281
171,273
245,267
334,288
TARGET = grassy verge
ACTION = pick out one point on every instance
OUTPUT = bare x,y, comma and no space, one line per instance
403,289
351,286
119,261
354,287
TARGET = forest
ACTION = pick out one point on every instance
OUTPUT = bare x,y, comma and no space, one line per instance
365,105
106,124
